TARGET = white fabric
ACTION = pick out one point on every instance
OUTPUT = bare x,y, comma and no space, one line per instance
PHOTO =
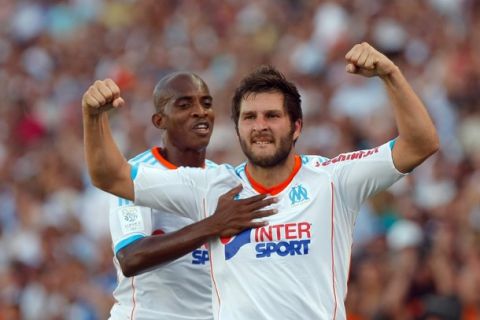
297,266
178,290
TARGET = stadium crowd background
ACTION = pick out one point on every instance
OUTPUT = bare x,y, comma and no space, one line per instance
417,245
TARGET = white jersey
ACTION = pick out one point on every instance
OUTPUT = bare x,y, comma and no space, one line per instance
297,266
177,290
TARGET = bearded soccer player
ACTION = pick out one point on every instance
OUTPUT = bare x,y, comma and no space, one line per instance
297,266
163,273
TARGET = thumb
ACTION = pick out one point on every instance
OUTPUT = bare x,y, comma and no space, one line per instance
236,190
118,102
351,68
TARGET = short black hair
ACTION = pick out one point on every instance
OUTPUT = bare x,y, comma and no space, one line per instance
268,79
162,93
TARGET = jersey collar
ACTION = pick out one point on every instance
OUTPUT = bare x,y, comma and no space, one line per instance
156,151
279,187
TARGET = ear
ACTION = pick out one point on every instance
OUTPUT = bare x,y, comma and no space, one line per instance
297,129
158,120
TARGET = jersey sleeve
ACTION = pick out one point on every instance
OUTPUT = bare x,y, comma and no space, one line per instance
181,191
358,175
128,222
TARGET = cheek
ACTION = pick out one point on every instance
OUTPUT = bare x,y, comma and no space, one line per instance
243,131
211,114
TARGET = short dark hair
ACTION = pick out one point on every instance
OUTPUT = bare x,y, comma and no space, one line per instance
162,93
268,79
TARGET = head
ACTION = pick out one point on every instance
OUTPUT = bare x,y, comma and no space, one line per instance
183,108
266,110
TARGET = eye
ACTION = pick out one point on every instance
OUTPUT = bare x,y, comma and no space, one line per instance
207,104
184,105
273,115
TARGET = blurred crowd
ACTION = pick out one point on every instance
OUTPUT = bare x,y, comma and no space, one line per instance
417,246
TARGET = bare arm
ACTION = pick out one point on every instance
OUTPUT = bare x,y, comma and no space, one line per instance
417,136
230,217
107,167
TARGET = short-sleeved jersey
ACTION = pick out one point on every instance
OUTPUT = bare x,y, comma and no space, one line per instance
178,290
297,266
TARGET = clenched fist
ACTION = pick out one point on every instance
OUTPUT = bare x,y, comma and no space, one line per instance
101,96
365,60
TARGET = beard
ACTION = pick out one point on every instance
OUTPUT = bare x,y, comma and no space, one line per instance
267,161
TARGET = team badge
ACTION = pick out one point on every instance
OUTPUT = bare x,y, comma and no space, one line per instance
298,194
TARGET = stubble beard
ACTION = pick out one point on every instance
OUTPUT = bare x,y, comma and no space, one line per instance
269,161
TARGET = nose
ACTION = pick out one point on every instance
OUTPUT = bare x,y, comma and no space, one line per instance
260,124
198,110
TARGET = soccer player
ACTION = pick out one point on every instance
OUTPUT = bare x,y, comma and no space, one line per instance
167,280
297,266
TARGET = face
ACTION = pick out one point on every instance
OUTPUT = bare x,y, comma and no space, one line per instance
187,117
265,131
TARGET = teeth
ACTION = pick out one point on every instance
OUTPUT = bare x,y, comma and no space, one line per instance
201,126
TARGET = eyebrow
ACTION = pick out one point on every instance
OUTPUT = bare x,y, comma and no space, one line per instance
191,97
263,111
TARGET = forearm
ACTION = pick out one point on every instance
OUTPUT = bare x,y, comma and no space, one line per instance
150,252
106,165
231,217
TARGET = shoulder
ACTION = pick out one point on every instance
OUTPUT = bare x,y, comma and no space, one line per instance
240,169
223,168
210,164
210,170
145,157
313,161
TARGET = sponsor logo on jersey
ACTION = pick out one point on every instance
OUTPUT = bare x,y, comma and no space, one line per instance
200,256
233,244
282,240
351,156
132,220
298,194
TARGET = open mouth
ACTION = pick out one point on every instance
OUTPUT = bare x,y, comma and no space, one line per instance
262,141
201,127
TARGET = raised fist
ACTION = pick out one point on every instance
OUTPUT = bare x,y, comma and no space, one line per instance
365,60
101,96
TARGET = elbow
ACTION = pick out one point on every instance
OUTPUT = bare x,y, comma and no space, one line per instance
427,148
433,145
128,272
107,187
100,181
119,185
127,264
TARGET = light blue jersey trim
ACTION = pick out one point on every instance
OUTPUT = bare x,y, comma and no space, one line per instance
210,164
152,161
392,143
134,172
141,157
124,202
240,169
125,242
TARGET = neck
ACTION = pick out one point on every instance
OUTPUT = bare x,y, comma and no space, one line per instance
272,176
184,158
